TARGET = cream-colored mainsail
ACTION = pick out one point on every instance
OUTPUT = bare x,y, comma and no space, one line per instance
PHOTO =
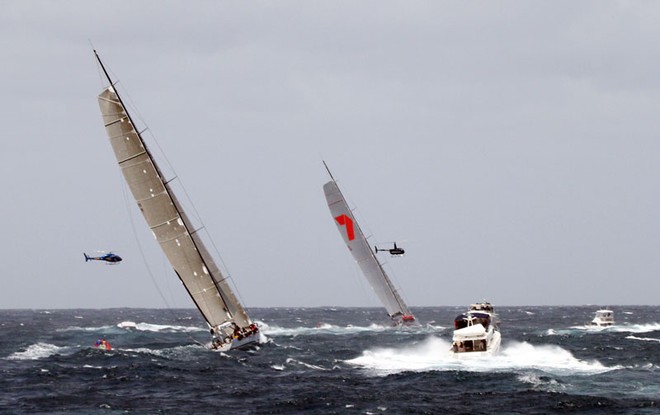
207,286
365,258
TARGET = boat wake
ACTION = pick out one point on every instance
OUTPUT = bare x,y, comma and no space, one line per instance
433,355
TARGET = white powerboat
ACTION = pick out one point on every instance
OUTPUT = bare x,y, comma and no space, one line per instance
603,318
476,332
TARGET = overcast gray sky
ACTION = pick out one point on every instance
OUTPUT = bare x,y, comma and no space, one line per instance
511,147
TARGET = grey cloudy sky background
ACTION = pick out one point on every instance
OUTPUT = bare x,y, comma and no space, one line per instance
512,147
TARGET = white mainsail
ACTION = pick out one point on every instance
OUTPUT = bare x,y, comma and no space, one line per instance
366,259
182,246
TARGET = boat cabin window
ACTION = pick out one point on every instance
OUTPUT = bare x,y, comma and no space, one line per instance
470,346
463,321
482,307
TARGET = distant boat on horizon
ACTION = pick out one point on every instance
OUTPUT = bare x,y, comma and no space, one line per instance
365,258
229,323
603,318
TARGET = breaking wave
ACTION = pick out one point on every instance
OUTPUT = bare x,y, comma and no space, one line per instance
38,351
129,325
159,328
433,355
646,339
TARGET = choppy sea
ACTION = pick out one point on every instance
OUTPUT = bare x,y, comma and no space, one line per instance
328,360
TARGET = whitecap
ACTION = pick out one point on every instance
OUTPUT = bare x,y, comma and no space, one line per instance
37,351
636,328
540,382
332,329
646,339
87,329
307,365
164,328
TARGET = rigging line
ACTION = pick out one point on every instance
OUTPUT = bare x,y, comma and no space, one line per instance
203,227
169,308
156,165
391,275
102,78
224,265
189,202
393,285
163,156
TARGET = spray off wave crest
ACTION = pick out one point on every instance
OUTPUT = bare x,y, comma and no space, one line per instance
433,354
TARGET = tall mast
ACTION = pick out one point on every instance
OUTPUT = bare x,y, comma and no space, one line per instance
175,203
388,282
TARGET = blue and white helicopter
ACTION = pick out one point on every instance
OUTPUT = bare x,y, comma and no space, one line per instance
109,258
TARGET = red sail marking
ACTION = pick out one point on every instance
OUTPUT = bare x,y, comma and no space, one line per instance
348,222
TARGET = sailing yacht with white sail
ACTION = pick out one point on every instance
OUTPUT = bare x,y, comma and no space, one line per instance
229,323
366,258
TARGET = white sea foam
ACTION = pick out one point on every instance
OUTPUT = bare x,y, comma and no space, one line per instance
622,328
165,328
646,339
130,325
37,351
636,328
326,328
321,328
433,354
540,382
88,329
177,352
301,363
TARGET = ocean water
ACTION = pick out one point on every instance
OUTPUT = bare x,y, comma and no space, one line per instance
328,360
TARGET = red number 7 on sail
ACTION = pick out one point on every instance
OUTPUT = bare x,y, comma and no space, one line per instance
348,222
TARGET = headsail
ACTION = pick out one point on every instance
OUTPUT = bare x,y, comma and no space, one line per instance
183,247
362,253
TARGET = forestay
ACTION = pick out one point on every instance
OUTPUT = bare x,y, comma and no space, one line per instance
362,253
171,227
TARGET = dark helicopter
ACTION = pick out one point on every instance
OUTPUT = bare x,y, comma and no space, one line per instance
109,257
396,251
